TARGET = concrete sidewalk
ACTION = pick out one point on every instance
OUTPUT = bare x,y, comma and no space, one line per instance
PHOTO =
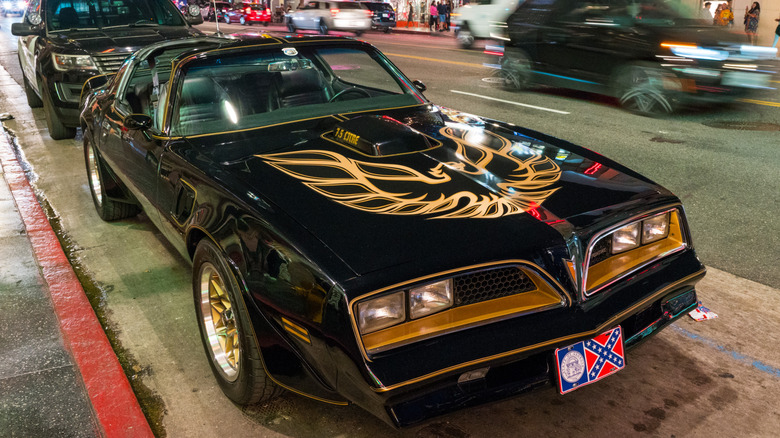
58,373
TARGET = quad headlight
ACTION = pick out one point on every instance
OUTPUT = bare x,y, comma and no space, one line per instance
640,233
73,62
388,310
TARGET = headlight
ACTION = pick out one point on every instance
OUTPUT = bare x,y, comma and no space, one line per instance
655,228
430,298
73,62
193,10
625,238
21,5
382,312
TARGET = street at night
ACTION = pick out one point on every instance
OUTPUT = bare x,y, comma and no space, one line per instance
691,379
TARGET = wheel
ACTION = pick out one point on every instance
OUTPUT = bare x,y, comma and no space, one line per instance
290,26
107,209
515,69
225,329
57,130
265,24
227,19
348,91
242,20
386,29
465,37
358,32
32,98
323,27
640,90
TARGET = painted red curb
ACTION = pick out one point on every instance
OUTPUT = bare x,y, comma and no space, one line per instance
112,398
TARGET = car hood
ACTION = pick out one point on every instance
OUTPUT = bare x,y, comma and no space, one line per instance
453,190
118,40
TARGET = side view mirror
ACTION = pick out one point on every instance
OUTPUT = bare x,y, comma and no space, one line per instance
419,86
25,29
138,121
193,15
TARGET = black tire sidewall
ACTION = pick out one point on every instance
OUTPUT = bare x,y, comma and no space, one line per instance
241,390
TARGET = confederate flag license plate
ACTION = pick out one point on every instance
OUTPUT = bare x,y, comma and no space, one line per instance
589,361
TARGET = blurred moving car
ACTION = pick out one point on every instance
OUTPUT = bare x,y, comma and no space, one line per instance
480,19
254,13
12,7
383,15
355,243
323,15
650,54
63,43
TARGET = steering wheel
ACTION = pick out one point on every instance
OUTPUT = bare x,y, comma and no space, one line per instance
347,91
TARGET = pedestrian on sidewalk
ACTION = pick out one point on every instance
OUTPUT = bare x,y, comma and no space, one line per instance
433,25
449,12
442,11
777,32
751,22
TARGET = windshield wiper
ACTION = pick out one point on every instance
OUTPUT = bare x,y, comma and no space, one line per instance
140,23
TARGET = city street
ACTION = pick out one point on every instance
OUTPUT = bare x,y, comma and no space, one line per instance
693,379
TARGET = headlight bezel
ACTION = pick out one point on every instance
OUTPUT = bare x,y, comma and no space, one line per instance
366,327
73,62
600,272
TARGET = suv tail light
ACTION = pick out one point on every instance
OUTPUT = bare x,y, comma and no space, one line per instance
334,12
369,13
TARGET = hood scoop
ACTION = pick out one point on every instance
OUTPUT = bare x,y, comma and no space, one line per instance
379,136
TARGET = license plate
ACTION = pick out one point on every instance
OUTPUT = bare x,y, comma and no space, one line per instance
385,15
745,79
589,361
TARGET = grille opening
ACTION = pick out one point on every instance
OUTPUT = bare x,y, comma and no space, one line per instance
487,285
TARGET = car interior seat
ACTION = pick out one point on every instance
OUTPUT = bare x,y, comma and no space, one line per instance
68,18
296,88
202,101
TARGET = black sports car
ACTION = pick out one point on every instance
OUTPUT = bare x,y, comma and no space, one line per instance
355,243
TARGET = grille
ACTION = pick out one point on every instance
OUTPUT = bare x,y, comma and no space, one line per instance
487,285
110,63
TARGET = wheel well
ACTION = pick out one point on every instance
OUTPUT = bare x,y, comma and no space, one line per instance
194,236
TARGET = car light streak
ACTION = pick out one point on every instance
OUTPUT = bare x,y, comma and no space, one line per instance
540,108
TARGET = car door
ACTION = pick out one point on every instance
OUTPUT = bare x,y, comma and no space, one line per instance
135,153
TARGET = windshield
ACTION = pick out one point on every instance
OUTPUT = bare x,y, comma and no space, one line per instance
228,93
101,14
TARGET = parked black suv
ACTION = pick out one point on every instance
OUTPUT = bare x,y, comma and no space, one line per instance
65,42
383,15
649,54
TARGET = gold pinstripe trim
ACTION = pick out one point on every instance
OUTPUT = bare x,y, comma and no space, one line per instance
604,326
296,330
436,144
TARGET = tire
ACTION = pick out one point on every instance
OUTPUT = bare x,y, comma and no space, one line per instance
387,29
465,37
290,26
227,19
358,32
640,90
516,69
32,98
265,24
242,21
323,27
107,209
225,329
57,130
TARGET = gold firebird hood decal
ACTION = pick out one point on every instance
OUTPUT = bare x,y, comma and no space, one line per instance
361,184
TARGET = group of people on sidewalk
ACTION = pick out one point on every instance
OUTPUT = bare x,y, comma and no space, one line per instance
440,16
724,16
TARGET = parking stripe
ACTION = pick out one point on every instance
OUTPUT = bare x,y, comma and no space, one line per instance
525,105
755,363
761,102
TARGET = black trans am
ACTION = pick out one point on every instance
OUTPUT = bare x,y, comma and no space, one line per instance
355,243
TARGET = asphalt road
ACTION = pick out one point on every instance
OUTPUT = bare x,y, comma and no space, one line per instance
690,380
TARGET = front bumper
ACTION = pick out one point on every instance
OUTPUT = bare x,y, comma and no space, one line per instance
422,381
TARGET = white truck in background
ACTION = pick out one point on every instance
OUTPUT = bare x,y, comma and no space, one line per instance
480,19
